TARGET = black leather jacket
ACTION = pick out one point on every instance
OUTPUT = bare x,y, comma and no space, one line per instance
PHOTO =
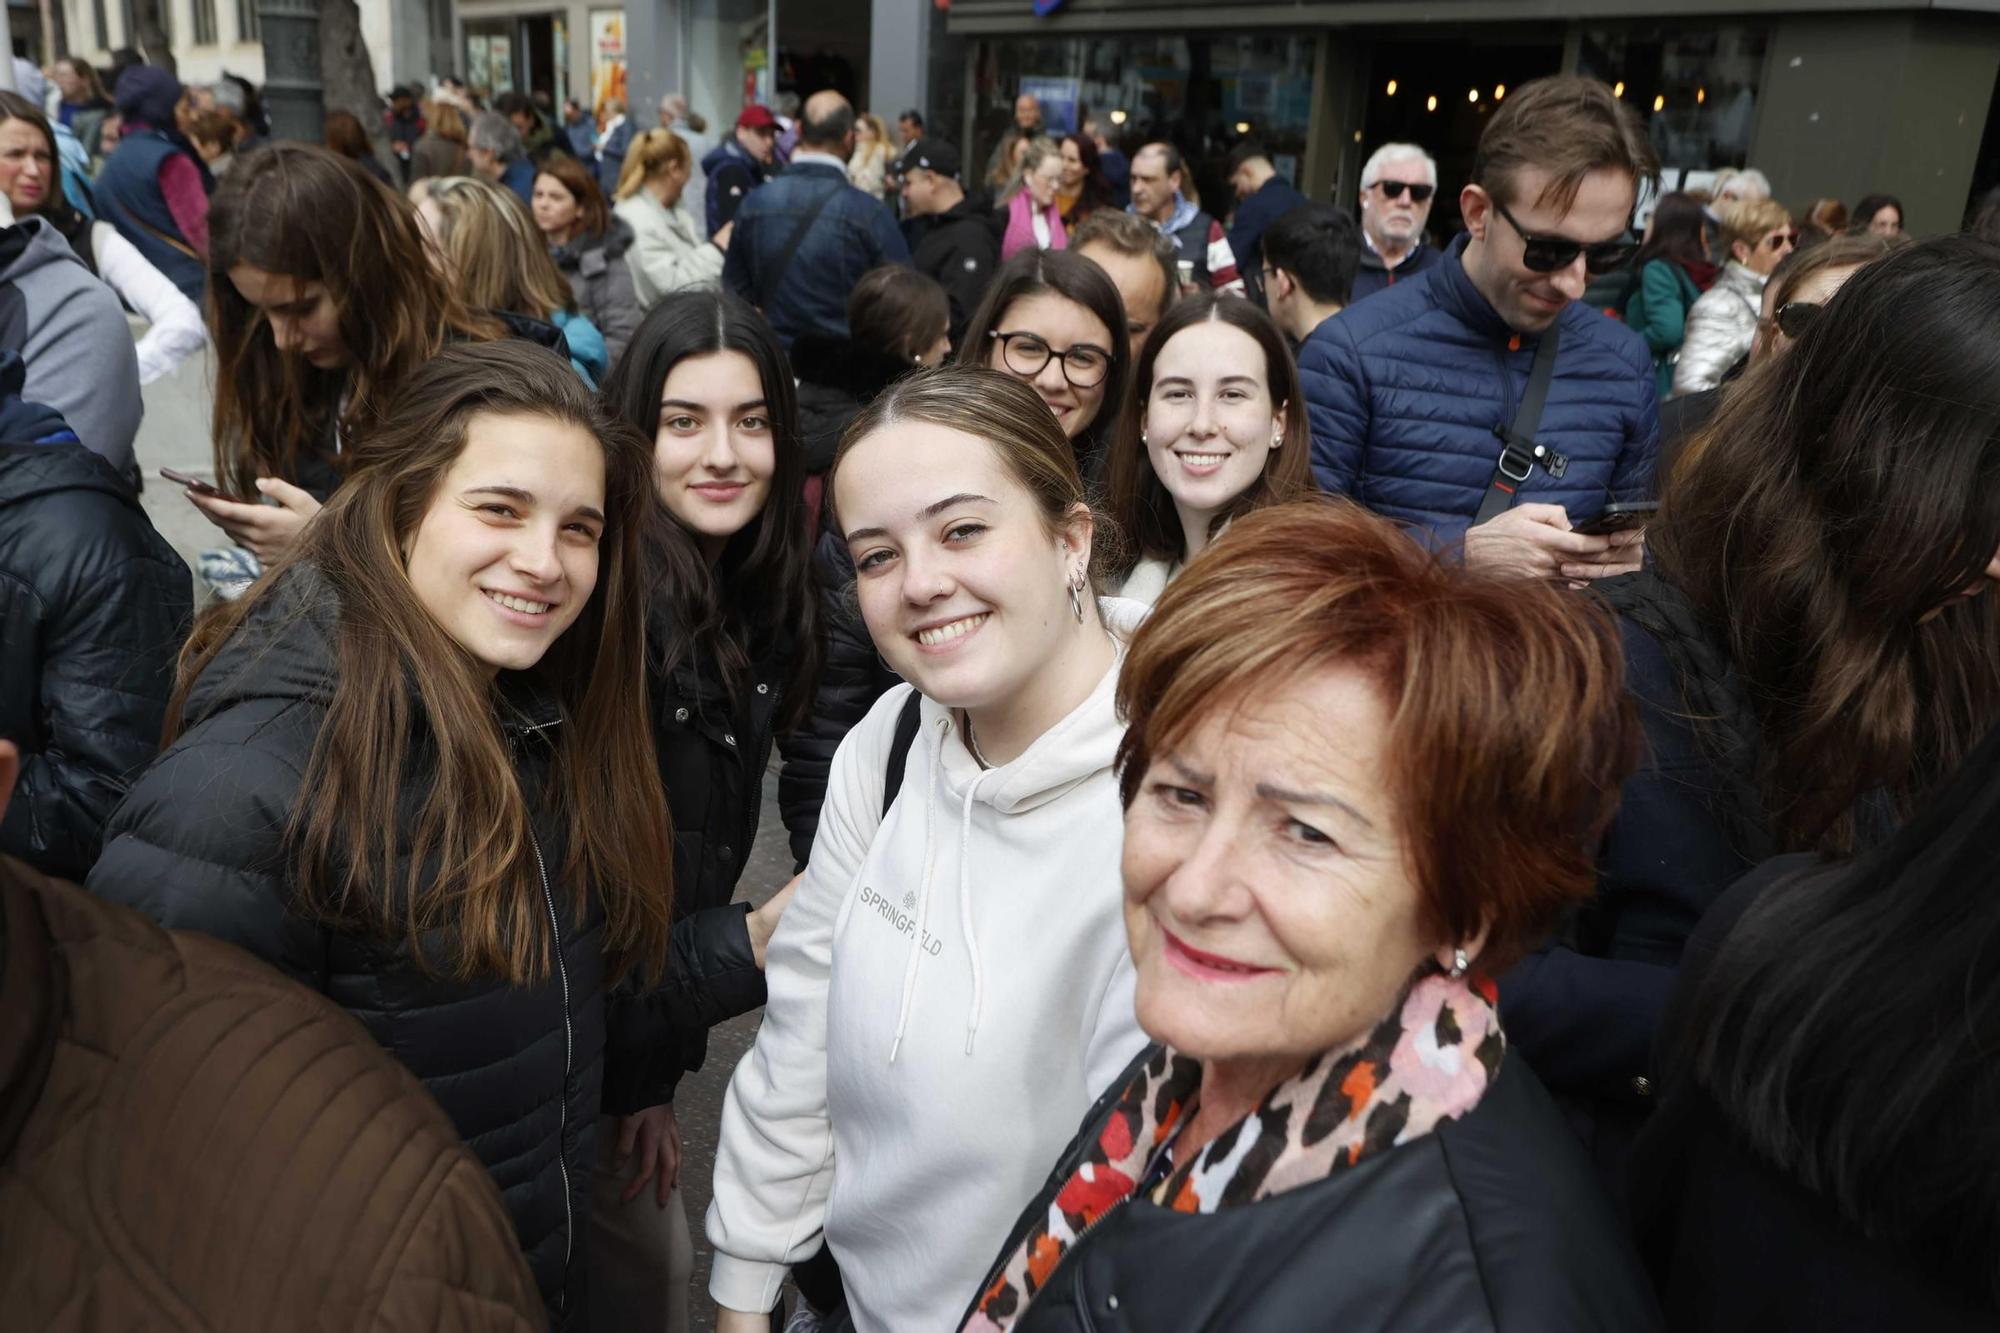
1490,1224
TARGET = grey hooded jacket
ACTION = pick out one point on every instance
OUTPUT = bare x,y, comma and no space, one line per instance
72,333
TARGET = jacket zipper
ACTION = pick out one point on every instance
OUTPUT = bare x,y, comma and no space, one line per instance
569,1055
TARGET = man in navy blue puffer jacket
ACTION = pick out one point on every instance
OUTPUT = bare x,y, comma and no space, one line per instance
1405,390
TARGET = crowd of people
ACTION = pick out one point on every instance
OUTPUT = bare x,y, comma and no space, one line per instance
1333,777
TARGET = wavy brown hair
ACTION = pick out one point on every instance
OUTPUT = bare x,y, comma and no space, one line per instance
1845,494
306,213
413,713
1139,499
1501,798
496,256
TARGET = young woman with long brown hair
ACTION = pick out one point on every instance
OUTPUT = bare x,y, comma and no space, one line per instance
1214,402
411,770
1813,646
732,647
322,301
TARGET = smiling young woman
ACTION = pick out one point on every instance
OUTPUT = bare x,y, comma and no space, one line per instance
732,650
1214,427
405,770
937,985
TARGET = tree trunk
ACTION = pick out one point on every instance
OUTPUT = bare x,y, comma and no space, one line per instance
348,74
150,35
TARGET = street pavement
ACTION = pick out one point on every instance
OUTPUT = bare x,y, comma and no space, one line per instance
175,433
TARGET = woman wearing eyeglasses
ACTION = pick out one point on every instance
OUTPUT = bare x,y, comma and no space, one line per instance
1723,323
1053,320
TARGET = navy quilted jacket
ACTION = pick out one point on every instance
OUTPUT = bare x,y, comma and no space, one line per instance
1405,388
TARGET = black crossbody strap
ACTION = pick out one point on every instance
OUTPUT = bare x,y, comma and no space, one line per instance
1518,451
907,722
768,289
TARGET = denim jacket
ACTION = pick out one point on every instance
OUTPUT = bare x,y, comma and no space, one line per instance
851,234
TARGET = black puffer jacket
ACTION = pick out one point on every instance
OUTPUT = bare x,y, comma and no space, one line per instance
852,676
837,378
1489,1224
712,752
601,283
93,607
1585,1010
199,845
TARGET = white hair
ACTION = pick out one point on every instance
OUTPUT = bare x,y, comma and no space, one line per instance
1745,185
1390,153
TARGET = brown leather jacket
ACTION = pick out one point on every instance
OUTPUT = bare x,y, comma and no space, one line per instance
188,1140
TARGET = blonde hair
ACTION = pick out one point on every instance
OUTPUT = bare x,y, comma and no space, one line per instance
650,154
495,256
1039,150
1751,220
446,122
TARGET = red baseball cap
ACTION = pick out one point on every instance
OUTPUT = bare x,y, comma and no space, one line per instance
756,117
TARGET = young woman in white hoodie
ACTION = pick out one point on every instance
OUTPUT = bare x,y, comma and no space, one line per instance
951,987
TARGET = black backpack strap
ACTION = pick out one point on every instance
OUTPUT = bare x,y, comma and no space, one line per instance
1518,451
774,278
907,723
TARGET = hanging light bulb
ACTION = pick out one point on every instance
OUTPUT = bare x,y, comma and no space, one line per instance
1499,91
1117,117
1618,89
1431,102
1242,127
1392,87
1660,102
1700,96
1472,96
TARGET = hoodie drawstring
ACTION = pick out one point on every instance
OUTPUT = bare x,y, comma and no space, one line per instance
923,898
965,911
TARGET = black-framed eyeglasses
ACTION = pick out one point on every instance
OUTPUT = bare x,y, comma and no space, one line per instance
1083,365
1795,317
1394,190
1549,254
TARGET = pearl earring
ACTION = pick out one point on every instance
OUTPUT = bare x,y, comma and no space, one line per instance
1459,962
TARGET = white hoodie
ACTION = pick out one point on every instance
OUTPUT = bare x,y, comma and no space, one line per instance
948,995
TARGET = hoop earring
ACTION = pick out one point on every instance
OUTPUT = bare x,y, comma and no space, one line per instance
1459,962
1076,600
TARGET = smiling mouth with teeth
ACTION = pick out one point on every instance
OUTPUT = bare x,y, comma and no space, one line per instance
521,604
937,634
1201,460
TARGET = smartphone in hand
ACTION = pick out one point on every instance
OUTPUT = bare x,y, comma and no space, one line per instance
1618,516
193,483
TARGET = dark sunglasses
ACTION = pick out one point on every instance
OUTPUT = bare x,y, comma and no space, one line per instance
1795,317
1548,254
1779,239
1394,190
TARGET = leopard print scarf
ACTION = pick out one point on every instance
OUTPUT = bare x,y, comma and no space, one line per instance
1430,1060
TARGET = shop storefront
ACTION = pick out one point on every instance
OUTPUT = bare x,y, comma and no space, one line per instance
1839,103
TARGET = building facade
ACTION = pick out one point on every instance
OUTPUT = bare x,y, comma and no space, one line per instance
212,37
1895,97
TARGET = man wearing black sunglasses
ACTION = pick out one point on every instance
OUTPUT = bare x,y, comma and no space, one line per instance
1426,401
1398,183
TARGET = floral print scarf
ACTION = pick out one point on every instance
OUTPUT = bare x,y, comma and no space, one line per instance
1430,1060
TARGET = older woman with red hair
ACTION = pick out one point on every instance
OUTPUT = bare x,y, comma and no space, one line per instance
1349,803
